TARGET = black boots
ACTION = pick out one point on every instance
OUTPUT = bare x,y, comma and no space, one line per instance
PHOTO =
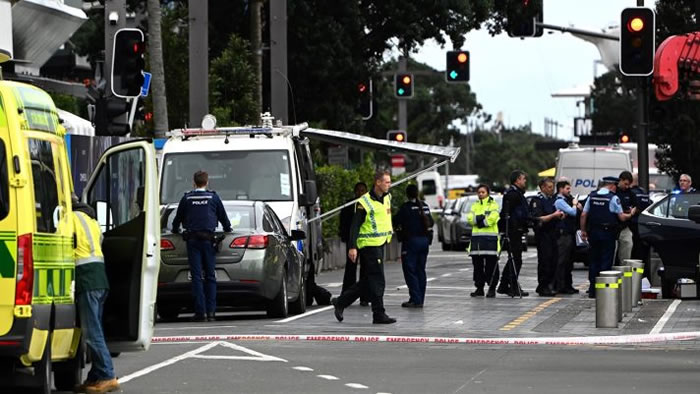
478,293
383,319
492,292
338,310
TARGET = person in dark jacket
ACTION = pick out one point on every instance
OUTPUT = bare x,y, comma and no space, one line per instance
640,249
514,218
346,214
414,223
199,211
542,208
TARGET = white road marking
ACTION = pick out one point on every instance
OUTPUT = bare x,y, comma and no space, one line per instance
303,369
445,275
327,377
664,319
196,353
464,269
356,386
406,287
459,322
303,315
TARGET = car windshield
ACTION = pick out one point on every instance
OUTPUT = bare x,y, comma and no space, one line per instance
234,175
242,217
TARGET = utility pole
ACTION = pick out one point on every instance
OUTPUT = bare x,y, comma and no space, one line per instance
642,125
256,48
199,60
279,93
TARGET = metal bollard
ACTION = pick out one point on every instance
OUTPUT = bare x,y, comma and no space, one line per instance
606,301
626,289
637,274
618,279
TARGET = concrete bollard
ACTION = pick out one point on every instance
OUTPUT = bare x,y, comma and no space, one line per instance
637,274
626,287
618,279
606,302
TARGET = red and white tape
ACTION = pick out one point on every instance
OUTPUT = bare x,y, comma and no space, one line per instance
557,341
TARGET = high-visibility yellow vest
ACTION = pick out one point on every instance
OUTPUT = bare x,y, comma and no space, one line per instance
484,240
89,239
376,229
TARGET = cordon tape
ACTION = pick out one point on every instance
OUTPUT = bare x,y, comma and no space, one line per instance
557,341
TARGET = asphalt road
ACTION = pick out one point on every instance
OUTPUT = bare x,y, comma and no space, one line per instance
217,365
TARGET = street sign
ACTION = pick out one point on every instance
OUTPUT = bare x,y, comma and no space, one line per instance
583,126
338,155
398,161
146,84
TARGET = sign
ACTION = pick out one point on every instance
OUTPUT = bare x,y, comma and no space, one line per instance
398,161
146,84
583,127
338,155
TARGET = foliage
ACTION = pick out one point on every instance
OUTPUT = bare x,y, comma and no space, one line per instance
176,64
70,103
614,102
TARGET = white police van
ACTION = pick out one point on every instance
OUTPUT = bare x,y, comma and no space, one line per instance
584,167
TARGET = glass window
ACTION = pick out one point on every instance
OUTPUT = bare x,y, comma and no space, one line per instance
679,204
428,187
45,185
234,175
118,193
267,223
4,182
242,217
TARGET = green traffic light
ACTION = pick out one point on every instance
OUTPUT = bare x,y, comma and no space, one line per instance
401,91
453,74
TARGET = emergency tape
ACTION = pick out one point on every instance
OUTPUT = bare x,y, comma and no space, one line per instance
557,341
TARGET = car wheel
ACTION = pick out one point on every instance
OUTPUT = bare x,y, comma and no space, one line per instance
298,306
278,307
69,373
42,370
168,313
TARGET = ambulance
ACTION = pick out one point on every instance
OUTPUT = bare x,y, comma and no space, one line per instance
40,339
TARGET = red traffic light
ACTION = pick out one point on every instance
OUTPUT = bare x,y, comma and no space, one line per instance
635,25
624,138
396,135
462,57
406,80
361,87
399,137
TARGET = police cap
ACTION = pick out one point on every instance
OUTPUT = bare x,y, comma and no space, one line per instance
610,179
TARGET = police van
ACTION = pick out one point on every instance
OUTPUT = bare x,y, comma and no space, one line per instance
585,166
39,329
262,163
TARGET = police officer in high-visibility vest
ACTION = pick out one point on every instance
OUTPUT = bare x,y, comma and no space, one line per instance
91,289
200,210
599,226
484,246
371,229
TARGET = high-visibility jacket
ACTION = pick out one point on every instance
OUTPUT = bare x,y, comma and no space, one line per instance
376,230
88,239
484,240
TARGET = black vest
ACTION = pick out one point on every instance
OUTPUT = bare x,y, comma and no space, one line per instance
547,206
602,222
568,225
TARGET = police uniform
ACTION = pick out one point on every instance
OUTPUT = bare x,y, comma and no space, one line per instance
515,214
565,230
546,237
624,238
371,229
640,249
484,246
199,211
415,240
602,208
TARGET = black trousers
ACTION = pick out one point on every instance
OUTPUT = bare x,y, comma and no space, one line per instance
350,275
485,270
516,250
565,262
372,284
546,259
641,251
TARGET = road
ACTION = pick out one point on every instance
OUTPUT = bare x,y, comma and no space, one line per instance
245,352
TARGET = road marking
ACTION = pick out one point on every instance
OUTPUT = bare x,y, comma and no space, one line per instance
529,314
459,322
165,363
446,275
664,319
356,386
303,369
303,315
464,269
327,377
405,286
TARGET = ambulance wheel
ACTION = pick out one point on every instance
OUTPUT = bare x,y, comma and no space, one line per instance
42,371
278,307
69,373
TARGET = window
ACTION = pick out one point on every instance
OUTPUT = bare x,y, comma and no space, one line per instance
45,185
267,223
675,205
428,187
4,182
241,217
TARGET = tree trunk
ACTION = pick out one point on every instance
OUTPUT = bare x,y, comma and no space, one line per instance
256,48
155,52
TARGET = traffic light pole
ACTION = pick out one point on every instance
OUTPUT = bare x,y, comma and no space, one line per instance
403,121
642,124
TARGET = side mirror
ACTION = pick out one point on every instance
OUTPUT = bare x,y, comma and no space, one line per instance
310,194
298,235
694,213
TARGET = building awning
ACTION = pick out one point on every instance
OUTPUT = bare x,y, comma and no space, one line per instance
549,173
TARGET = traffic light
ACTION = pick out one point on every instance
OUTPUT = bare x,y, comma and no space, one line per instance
523,16
637,41
396,135
127,63
624,138
365,106
111,117
457,69
403,85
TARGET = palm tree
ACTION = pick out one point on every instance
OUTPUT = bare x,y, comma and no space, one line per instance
155,52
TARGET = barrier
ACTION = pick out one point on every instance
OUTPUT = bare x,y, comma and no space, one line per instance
606,301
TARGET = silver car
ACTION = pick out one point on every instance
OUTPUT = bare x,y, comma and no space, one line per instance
257,265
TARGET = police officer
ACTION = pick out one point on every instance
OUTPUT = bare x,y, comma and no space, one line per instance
514,218
371,229
627,200
199,211
542,208
640,249
91,289
685,184
414,223
484,245
599,223
350,275
566,230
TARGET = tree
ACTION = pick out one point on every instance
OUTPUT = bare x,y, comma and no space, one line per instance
155,56
614,104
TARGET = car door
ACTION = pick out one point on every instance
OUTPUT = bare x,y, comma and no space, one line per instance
123,191
290,253
666,227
